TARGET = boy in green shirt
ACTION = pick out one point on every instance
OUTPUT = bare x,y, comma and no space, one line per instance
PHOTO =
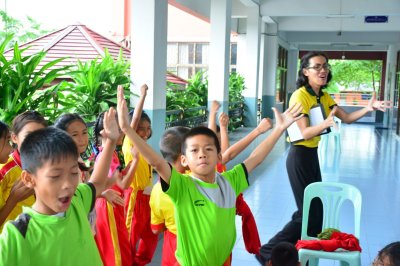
56,230
204,200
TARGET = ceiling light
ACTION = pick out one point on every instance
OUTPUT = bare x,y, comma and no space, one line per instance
340,16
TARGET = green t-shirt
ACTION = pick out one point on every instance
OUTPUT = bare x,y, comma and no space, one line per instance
308,99
37,239
205,215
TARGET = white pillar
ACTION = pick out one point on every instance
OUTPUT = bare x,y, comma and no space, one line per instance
252,65
270,60
390,79
218,74
149,59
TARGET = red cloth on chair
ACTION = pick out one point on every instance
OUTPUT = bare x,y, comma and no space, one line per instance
338,240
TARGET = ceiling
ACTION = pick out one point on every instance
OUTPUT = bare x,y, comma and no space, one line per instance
318,24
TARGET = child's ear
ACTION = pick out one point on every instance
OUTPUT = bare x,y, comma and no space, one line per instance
219,157
184,161
27,179
14,138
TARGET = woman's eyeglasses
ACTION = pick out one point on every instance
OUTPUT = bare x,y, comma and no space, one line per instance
326,67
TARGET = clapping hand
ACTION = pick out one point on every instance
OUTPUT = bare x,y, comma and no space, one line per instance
292,114
374,105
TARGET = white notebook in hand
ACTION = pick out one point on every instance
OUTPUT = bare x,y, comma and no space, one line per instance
316,116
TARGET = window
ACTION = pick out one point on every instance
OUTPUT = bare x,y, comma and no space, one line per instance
186,59
281,75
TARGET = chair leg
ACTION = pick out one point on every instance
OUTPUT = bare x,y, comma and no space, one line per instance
313,262
303,259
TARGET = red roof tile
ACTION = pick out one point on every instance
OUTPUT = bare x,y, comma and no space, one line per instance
77,42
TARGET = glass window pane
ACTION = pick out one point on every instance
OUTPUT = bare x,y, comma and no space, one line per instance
198,54
183,53
205,54
183,72
191,52
172,54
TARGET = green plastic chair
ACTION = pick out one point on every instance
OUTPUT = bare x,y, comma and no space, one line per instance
332,195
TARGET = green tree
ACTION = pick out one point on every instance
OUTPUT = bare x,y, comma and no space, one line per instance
22,32
358,75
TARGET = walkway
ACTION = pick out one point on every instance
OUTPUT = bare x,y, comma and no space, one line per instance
368,159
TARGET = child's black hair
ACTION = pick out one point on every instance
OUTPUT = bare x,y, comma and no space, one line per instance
201,130
284,254
63,123
171,143
46,145
143,117
21,120
392,251
98,127
4,129
65,120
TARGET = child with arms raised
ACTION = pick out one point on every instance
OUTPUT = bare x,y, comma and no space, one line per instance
14,194
162,208
112,237
205,201
249,227
56,231
143,241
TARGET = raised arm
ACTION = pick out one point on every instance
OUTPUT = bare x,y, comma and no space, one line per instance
283,121
223,124
128,173
373,105
139,106
239,146
212,116
152,157
110,135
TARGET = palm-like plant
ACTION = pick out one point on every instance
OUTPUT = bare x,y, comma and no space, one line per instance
94,86
21,79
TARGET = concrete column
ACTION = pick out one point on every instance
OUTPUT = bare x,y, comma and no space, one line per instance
390,80
149,59
251,71
270,61
218,74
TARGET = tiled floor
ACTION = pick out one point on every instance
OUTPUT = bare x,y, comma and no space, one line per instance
368,158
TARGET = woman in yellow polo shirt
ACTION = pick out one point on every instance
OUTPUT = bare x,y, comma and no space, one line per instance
302,163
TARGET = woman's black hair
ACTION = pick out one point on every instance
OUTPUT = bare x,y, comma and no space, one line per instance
65,120
4,129
302,79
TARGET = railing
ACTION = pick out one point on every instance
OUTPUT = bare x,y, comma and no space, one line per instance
351,99
196,116
190,117
236,115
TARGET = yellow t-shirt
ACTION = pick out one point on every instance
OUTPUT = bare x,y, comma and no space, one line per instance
308,98
162,209
10,173
144,172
